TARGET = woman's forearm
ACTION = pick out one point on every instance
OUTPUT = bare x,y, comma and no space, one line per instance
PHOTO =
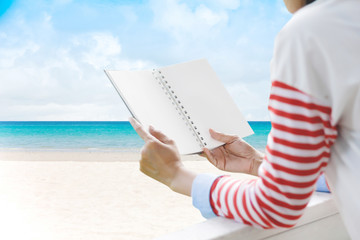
182,181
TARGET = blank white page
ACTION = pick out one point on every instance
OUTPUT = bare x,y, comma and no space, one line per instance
147,101
206,100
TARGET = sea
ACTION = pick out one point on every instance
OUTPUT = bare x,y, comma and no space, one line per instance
89,136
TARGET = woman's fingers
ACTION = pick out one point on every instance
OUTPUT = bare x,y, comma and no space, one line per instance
202,155
210,156
222,137
148,163
160,136
148,167
151,135
140,130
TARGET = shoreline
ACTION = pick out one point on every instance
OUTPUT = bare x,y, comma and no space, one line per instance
120,150
79,156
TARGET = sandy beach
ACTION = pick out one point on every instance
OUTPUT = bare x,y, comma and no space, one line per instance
88,195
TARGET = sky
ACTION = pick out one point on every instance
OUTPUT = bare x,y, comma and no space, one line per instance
53,53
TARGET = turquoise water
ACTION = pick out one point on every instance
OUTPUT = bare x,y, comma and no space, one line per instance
96,136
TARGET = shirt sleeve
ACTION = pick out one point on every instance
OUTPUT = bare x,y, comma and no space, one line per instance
297,153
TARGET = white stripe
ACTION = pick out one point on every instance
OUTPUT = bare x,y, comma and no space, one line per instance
231,197
305,112
282,197
214,197
293,165
280,219
278,208
291,94
295,151
225,185
271,156
295,123
250,208
296,138
294,109
239,201
330,131
256,204
285,188
289,176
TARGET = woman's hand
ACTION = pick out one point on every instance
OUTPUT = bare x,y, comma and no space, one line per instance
235,156
160,160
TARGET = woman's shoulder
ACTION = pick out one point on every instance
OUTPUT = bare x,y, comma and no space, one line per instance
321,19
304,23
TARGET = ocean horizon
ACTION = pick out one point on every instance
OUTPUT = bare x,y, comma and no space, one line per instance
89,136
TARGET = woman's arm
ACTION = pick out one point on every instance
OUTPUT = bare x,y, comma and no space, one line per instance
297,152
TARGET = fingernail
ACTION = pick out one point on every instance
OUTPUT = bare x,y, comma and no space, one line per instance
151,127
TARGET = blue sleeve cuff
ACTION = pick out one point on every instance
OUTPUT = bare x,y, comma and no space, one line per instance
200,193
321,185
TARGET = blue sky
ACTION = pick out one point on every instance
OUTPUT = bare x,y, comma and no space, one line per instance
52,53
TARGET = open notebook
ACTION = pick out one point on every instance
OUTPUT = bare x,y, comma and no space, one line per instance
183,101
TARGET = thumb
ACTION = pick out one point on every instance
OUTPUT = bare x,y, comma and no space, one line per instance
160,136
221,137
210,156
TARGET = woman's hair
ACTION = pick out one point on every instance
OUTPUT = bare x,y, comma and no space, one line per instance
309,1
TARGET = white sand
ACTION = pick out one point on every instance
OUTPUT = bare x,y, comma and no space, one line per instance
88,195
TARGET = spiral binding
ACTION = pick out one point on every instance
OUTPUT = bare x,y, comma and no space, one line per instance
179,107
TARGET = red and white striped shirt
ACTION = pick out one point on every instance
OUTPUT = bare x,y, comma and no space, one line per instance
297,152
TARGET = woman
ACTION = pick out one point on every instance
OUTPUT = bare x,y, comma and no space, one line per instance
315,114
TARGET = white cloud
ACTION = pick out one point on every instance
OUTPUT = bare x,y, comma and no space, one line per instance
251,98
8,56
102,49
66,82
185,23
226,4
51,63
209,17
62,2
66,112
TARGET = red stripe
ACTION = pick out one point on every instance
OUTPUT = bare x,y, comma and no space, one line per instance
281,203
286,194
289,183
286,216
298,159
274,221
327,184
246,208
298,131
295,171
212,189
331,136
267,223
229,215
296,102
219,192
299,117
305,146
236,206
285,86
309,105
